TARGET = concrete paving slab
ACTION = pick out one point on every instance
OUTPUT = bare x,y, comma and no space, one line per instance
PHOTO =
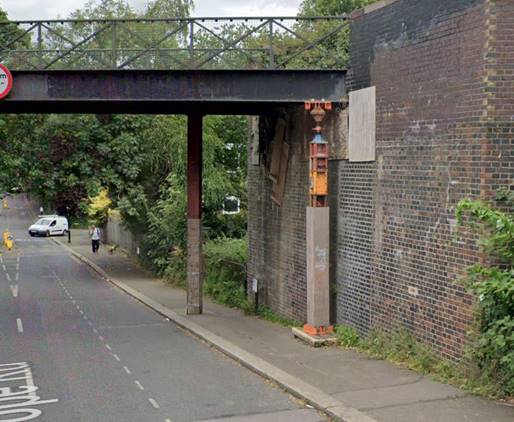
421,390
452,410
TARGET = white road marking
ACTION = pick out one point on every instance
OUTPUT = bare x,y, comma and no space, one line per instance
108,347
18,266
126,370
95,331
3,267
167,420
78,307
18,259
17,276
30,383
154,403
101,338
115,356
22,372
139,385
14,290
90,323
81,312
8,277
20,325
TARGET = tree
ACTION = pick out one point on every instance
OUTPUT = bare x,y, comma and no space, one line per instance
12,38
331,7
139,161
332,51
168,8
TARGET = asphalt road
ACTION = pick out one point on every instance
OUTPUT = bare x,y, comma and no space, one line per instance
75,348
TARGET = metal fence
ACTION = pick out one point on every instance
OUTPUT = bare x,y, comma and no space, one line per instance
181,43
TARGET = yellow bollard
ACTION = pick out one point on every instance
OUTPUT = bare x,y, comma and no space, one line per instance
8,240
6,204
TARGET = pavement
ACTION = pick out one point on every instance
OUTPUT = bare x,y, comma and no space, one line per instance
75,348
346,385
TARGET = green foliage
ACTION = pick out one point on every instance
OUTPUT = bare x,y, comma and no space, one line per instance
347,336
401,347
495,227
331,7
335,52
225,270
225,274
493,284
11,36
98,210
122,36
162,220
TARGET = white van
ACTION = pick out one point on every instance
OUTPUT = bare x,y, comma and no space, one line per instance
49,225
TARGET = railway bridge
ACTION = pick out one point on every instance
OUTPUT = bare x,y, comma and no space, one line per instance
191,66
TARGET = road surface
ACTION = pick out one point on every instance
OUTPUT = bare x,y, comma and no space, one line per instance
74,348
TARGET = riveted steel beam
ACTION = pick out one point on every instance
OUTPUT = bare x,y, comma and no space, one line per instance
169,92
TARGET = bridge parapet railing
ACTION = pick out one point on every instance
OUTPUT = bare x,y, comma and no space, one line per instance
179,43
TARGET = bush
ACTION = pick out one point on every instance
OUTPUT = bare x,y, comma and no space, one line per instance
225,271
493,285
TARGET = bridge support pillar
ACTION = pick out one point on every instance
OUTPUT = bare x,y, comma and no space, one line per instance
318,331
194,214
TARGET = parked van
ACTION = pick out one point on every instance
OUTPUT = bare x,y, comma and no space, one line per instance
49,225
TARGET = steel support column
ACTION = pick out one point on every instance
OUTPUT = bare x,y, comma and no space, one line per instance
194,214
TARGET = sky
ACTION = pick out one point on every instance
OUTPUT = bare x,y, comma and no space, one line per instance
48,9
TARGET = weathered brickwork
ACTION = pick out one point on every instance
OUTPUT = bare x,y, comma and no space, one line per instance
277,234
438,140
444,77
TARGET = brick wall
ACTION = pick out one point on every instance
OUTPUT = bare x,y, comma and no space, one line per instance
277,234
444,76
437,142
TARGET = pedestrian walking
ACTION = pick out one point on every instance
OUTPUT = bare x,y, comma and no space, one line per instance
41,210
95,238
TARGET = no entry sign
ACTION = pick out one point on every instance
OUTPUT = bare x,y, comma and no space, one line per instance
5,81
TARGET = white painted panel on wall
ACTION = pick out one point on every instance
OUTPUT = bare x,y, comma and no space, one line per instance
362,125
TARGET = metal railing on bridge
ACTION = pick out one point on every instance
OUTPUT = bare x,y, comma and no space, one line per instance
180,43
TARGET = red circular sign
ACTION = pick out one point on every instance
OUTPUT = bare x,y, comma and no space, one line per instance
5,81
